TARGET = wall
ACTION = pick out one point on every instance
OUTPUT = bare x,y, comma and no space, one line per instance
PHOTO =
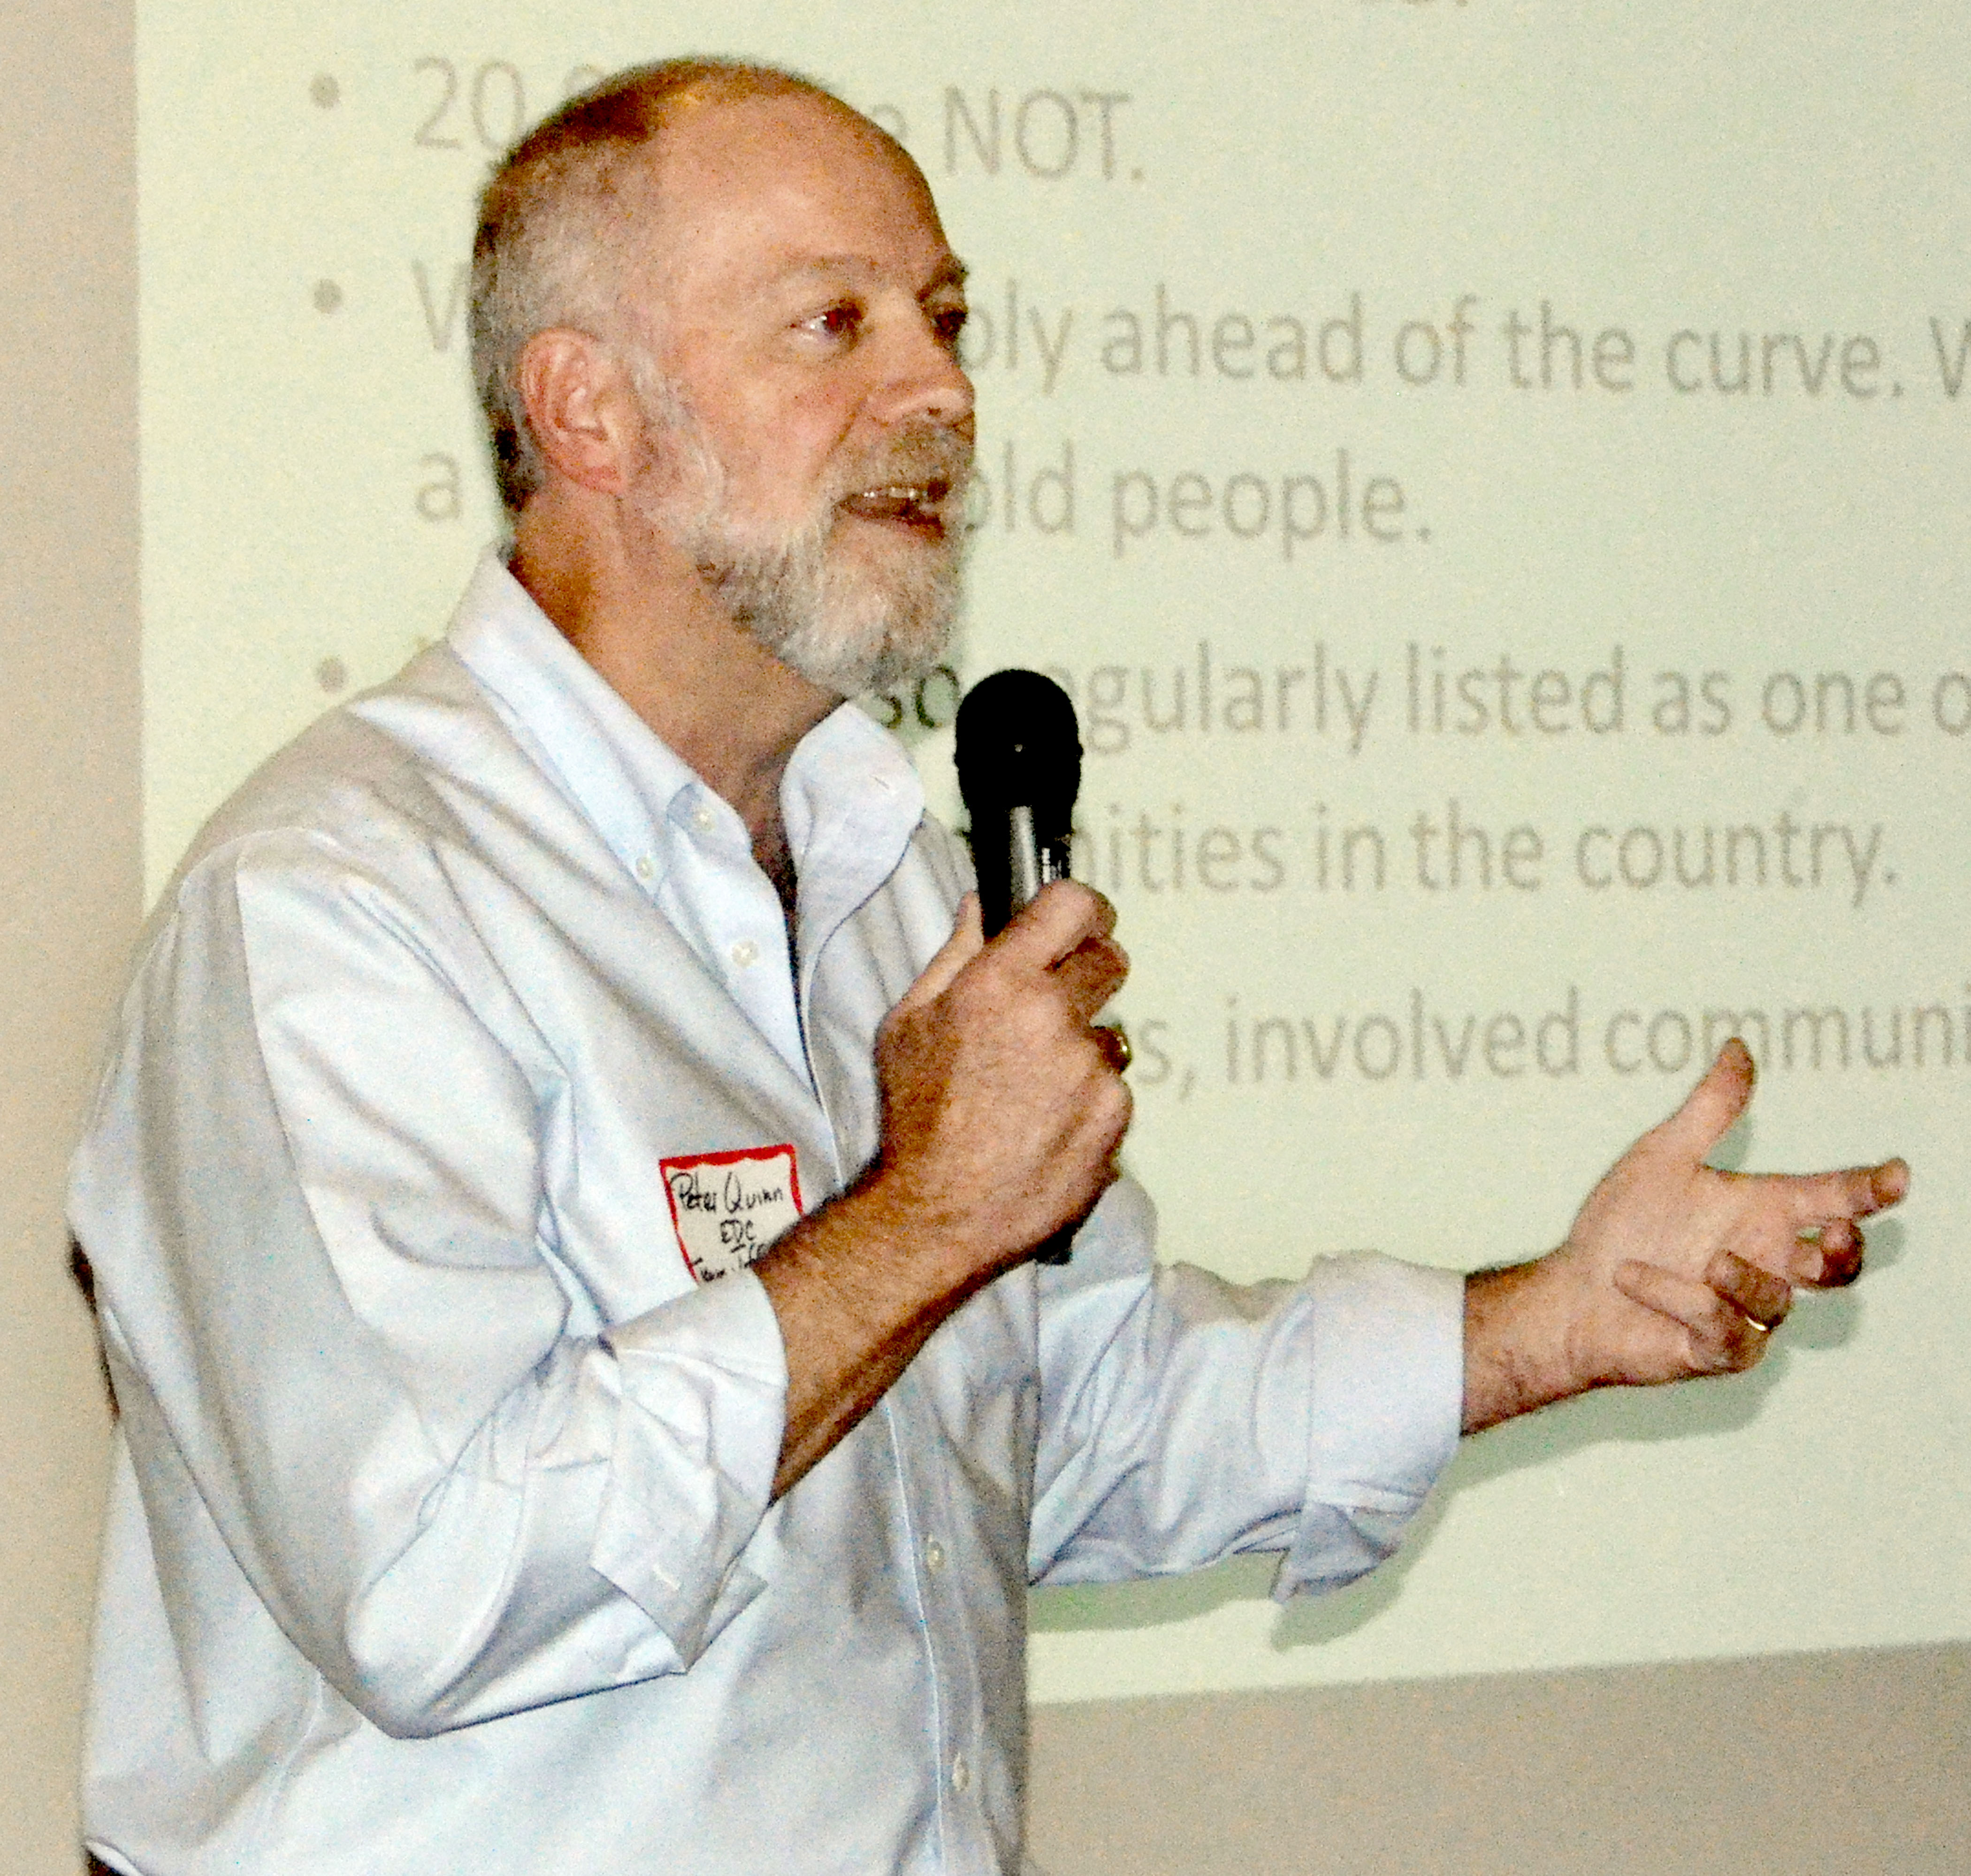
70,872
1851,1764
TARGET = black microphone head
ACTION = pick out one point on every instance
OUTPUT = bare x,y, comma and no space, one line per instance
1019,768
1020,746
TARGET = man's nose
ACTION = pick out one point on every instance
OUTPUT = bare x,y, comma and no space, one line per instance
928,381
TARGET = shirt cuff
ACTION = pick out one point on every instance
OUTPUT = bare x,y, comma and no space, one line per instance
703,1411
1385,1407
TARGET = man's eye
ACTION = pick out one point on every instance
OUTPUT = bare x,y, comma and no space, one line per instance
948,322
839,322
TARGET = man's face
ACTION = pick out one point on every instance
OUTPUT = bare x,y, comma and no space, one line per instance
810,430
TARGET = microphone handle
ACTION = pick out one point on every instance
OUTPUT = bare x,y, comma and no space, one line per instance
1031,865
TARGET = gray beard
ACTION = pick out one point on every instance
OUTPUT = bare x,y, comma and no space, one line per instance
850,631
846,629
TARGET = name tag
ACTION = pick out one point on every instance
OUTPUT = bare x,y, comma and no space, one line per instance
728,1207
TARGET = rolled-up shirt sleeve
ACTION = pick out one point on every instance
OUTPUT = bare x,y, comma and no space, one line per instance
1185,1419
313,1192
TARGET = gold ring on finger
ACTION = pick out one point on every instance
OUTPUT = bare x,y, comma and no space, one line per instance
1114,1042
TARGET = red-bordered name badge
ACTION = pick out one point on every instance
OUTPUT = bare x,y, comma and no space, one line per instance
728,1207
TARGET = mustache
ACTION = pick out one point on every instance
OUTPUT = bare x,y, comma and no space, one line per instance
929,455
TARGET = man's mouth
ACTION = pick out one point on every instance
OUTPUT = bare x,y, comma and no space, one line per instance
918,506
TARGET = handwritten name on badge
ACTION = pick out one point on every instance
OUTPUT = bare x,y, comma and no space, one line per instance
728,1207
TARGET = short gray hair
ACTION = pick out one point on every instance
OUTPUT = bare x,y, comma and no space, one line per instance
556,219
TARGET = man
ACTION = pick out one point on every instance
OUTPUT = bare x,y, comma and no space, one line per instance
563,1189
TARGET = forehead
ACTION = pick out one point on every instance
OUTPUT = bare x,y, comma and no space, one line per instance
751,189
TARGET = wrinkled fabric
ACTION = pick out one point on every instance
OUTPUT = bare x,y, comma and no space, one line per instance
440,1538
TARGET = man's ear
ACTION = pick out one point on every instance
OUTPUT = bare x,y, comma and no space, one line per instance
585,420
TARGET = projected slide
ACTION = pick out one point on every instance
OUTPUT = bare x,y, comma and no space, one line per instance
1492,478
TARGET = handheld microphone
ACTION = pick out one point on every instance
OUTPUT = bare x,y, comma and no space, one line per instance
1019,769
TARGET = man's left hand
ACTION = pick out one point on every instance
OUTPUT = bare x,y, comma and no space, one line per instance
1673,1268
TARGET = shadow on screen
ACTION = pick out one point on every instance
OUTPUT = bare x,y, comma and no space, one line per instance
1630,1416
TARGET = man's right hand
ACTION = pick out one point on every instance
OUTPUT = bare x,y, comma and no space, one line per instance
1001,1111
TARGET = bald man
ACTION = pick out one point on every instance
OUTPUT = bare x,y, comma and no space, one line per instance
564,1188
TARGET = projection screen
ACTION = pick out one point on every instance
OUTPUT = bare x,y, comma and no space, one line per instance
1491,474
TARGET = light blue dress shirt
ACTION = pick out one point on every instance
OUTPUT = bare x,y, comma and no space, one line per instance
440,1538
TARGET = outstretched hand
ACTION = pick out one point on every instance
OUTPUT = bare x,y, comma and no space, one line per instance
1673,1268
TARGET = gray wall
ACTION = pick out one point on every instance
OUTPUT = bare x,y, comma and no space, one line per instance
1847,1762
69,836
1840,1764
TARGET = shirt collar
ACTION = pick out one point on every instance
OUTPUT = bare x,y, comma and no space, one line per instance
850,796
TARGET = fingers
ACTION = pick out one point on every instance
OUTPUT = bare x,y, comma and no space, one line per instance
1800,1226
1066,930
1065,916
1756,1294
1055,955
1728,1319
1856,1191
966,940
1002,1112
1840,1250
1716,1101
1803,1224
1090,977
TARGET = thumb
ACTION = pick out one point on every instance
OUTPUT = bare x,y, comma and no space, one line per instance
967,940
1714,1103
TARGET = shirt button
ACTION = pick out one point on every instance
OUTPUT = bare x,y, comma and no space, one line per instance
961,1772
745,953
645,866
934,1555
702,819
